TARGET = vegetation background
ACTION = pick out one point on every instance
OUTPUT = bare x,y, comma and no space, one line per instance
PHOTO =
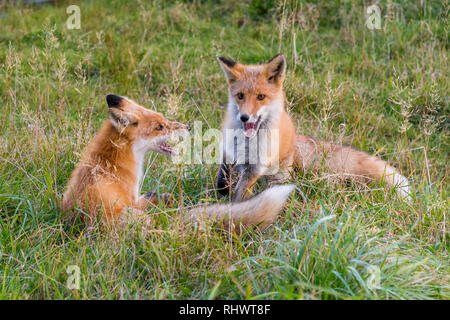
384,91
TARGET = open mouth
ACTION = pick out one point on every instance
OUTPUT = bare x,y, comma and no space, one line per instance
167,149
167,144
250,128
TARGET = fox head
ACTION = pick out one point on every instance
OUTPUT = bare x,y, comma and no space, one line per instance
146,130
255,91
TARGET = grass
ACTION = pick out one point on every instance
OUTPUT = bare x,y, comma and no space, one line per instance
383,91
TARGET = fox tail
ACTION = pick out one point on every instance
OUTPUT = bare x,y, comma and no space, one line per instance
345,160
260,210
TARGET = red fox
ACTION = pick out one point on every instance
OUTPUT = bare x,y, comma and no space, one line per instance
256,101
107,179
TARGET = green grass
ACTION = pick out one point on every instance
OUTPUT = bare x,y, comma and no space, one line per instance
383,91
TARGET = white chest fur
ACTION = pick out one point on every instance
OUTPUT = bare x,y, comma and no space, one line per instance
139,150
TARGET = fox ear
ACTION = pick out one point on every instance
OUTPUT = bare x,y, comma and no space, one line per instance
276,68
114,101
119,118
231,69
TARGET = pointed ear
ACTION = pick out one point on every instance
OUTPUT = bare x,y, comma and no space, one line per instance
118,117
276,68
113,101
231,69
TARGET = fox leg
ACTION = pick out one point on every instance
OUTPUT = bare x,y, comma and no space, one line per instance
223,183
244,186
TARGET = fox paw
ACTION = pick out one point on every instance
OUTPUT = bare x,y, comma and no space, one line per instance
166,198
150,195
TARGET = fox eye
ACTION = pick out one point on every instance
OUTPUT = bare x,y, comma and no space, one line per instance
240,96
260,97
160,127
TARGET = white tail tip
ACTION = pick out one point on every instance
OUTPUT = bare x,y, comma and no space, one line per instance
279,192
403,188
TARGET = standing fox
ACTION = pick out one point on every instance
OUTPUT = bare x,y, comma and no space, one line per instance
107,179
256,101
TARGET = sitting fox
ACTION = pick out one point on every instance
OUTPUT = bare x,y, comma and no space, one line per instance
256,102
107,178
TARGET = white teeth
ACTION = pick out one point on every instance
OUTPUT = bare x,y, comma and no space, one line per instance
250,133
164,146
168,149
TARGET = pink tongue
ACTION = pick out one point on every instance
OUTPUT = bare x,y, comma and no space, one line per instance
249,125
249,129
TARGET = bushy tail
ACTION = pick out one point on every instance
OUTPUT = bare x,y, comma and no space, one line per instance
312,153
260,211
380,170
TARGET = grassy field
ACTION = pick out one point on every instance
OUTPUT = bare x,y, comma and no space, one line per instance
383,91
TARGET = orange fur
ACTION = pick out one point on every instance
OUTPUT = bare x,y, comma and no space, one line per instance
106,180
256,96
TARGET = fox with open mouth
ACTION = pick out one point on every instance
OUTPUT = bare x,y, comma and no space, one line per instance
106,182
256,102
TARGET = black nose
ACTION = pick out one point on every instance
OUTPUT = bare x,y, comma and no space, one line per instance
244,117
189,127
